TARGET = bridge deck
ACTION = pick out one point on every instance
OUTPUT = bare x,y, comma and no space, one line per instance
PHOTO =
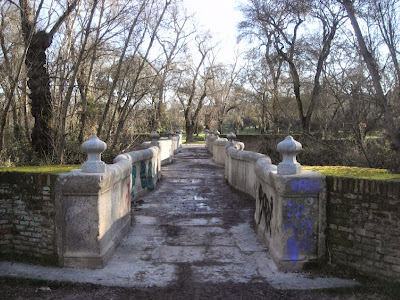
191,231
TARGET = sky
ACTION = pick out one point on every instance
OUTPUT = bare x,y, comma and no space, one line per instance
221,18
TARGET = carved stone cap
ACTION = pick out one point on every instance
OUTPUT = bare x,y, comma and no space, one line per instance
289,148
154,135
217,133
231,136
178,131
94,147
170,134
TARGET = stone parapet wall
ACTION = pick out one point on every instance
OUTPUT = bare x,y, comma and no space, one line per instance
218,153
77,219
28,217
239,170
289,208
146,170
96,213
364,226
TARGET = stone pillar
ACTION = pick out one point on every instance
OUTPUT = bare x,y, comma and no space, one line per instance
94,147
94,208
231,138
154,137
179,134
291,210
289,148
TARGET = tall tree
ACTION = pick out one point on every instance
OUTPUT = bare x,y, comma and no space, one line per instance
37,42
372,65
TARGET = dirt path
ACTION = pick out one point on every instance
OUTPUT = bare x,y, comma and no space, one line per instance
193,238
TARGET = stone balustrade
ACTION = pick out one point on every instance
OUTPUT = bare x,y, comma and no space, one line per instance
290,204
96,200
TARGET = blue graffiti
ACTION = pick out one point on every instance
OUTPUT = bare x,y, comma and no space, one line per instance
143,176
150,184
133,181
305,185
302,230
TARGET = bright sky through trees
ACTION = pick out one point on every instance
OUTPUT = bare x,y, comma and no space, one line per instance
221,18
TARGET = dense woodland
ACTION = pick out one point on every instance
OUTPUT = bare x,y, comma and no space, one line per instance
326,69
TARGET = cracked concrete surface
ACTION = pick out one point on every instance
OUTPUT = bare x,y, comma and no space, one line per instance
193,227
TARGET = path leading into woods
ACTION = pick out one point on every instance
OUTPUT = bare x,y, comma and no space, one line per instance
191,233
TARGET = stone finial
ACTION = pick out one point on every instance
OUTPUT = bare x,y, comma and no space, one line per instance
231,136
94,147
178,131
170,134
154,136
217,133
289,148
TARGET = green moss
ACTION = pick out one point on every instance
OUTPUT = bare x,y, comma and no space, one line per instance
41,169
354,172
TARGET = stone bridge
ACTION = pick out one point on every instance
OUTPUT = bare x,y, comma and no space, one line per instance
189,225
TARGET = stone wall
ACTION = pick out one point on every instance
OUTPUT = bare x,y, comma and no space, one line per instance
28,217
289,206
364,226
77,219
296,214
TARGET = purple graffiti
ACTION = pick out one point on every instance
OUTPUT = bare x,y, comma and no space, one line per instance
302,230
305,185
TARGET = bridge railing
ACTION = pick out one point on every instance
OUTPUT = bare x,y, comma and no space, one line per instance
290,204
95,201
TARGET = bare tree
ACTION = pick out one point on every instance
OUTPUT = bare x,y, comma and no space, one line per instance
372,65
36,42
191,88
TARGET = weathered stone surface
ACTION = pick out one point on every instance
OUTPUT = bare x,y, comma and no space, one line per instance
192,199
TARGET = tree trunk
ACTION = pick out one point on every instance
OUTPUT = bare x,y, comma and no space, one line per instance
41,101
390,125
189,132
39,79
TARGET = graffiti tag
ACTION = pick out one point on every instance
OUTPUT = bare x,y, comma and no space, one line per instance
302,230
265,207
128,195
133,181
305,185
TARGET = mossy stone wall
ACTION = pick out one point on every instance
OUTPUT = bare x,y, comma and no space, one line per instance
364,225
27,217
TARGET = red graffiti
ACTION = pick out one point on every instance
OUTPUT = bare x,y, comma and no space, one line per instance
128,194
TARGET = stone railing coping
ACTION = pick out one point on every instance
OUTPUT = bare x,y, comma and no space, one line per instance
220,142
139,155
91,183
246,155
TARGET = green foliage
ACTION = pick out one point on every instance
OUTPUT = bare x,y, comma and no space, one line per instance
198,139
55,169
354,172
337,152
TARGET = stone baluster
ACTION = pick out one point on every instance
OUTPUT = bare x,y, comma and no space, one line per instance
289,148
154,136
94,147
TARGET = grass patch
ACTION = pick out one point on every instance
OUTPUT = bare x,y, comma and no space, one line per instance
354,172
198,139
54,169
